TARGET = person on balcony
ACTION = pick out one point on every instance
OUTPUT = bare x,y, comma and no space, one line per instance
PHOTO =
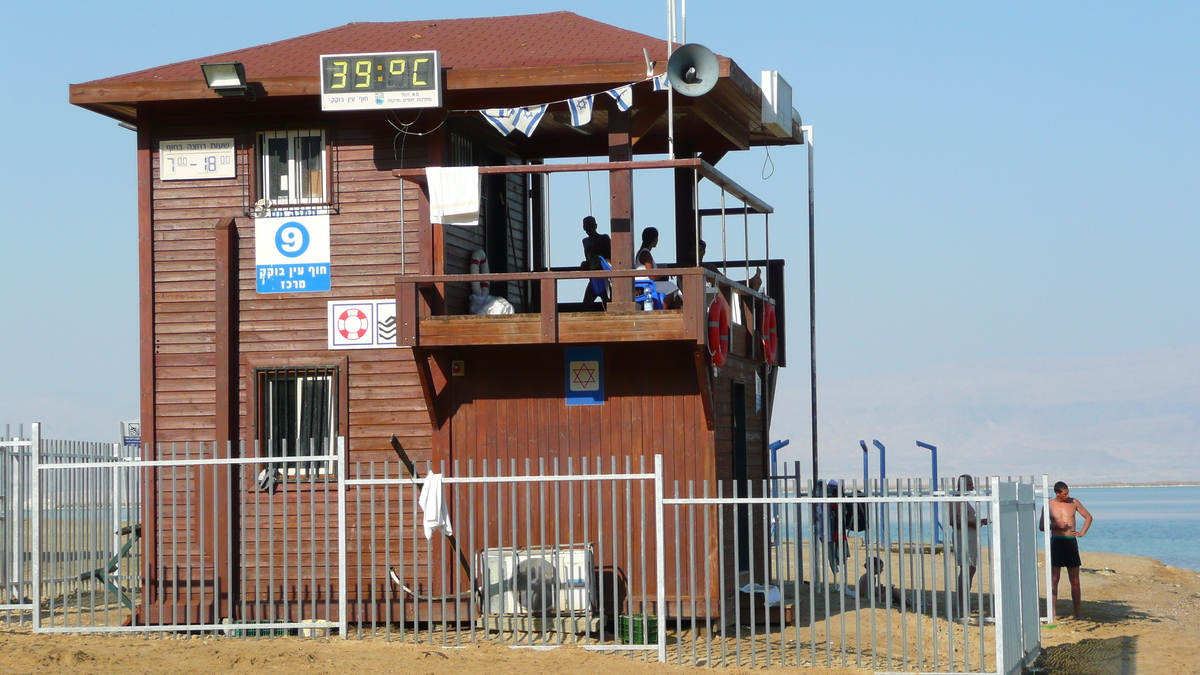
711,267
672,298
595,247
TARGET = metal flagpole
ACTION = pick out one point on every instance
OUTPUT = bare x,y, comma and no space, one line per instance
670,89
812,295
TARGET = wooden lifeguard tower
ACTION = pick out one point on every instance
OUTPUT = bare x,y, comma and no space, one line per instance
234,337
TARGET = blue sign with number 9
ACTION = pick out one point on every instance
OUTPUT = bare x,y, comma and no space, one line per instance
292,239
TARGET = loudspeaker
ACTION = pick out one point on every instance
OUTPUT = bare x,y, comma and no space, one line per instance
693,70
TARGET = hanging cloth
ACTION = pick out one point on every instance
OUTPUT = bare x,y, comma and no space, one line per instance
453,194
436,517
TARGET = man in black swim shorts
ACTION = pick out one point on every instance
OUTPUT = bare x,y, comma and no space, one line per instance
1064,544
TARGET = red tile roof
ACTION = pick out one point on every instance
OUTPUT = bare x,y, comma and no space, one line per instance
554,39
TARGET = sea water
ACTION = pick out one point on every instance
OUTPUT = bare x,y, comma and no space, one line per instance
1156,522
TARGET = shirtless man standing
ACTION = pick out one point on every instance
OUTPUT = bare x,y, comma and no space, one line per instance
1064,549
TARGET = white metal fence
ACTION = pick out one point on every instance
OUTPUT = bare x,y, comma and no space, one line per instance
86,521
602,554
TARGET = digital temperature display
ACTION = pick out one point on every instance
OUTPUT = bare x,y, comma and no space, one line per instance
390,80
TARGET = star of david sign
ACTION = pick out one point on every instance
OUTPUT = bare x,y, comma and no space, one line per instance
585,375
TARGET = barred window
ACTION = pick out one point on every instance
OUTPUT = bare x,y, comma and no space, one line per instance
292,167
297,416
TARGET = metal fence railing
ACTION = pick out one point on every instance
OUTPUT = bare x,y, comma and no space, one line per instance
252,542
86,517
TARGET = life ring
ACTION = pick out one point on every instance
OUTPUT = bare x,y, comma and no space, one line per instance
718,330
479,265
768,334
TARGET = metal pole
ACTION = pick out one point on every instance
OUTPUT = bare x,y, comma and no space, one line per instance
866,457
997,575
812,295
937,524
670,89
342,475
35,499
660,559
1050,608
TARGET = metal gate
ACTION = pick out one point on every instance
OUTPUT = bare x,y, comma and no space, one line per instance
202,559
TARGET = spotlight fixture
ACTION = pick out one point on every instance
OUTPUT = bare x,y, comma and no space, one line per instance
227,79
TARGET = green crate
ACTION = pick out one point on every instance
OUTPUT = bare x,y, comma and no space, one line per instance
638,629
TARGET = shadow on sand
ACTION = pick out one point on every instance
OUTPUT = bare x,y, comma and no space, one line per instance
1104,612
1091,656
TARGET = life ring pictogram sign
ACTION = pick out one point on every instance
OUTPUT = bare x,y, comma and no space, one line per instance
353,324
767,332
718,330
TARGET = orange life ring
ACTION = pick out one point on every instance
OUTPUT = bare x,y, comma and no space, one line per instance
768,334
718,330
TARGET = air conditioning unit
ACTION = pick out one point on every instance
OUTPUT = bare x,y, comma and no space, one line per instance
776,104
551,581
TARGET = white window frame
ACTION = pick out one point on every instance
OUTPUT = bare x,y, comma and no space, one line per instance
299,191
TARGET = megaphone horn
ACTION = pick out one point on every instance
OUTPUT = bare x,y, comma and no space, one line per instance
693,70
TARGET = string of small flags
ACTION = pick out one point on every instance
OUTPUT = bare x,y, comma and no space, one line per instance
525,119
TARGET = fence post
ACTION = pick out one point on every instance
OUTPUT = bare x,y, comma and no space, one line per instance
343,623
660,560
997,573
1050,608
35,497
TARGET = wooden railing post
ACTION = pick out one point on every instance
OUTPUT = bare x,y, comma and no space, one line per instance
695,310
549,309
407,328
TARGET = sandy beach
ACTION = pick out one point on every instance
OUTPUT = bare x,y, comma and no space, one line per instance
1140,617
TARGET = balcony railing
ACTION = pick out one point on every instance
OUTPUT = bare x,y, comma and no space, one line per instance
422,319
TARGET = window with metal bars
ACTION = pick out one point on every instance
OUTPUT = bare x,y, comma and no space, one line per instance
292,167
297,417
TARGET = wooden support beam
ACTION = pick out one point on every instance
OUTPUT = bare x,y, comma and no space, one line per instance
685,211
646,117
433,385
620,190
226,412
733,131
695,320
145,197
704,382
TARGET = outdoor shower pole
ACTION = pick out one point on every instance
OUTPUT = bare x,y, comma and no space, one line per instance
812,296
866,457
937,525
883,491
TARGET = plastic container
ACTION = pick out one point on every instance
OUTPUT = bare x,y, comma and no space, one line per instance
638,629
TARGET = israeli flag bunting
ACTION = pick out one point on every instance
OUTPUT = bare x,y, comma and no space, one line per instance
624,97
581,111
527,119
504,119
660,82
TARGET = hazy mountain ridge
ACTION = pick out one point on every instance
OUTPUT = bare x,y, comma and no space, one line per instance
1132,417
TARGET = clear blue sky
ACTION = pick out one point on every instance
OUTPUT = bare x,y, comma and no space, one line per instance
1001,189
